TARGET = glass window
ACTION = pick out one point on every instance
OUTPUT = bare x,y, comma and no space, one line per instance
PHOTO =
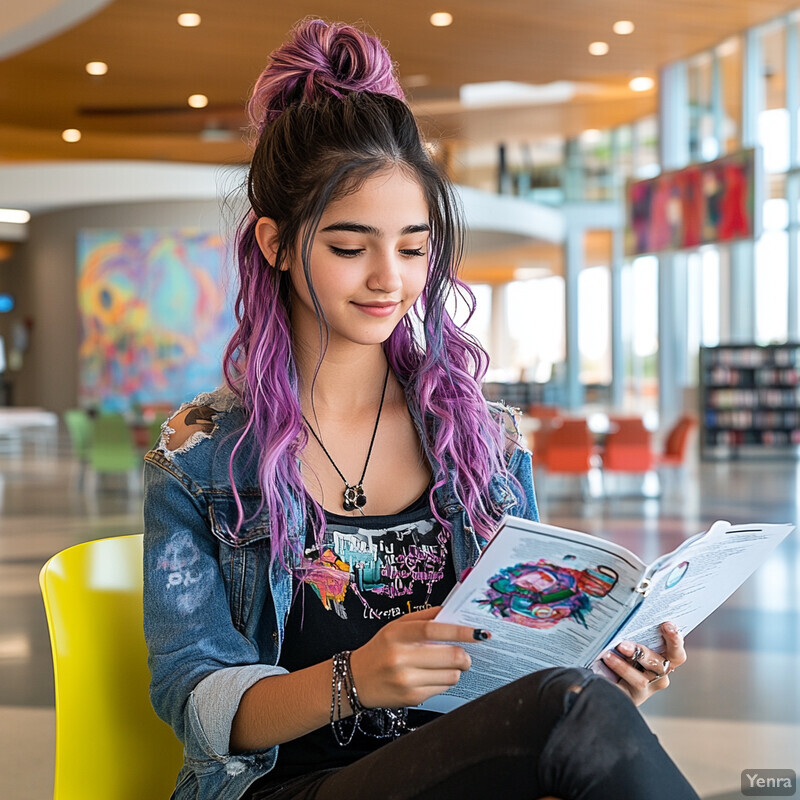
729,55
640,332
624,144
775,209
536,326
703,317
772,287
479,324
703,144
594,326
595,155
773,121
645,148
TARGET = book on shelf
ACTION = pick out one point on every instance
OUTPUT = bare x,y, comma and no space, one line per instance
557,597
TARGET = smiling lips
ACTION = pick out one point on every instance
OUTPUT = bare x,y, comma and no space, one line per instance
378,309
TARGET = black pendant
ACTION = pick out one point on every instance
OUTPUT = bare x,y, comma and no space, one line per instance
354,497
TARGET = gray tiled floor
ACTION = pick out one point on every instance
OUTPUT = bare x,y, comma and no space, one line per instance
734,705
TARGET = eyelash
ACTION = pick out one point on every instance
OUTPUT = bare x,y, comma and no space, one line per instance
345,253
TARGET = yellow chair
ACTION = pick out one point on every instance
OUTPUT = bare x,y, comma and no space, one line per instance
110,745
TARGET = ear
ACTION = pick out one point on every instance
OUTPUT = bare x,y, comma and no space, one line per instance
267,238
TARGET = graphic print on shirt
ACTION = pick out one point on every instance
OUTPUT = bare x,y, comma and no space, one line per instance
390,571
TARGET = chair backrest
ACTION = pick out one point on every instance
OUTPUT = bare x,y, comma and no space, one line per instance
570,447
113,448
79,429
628,430
677,441
628,446
110,745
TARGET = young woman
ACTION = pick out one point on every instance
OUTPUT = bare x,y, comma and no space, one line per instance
304,522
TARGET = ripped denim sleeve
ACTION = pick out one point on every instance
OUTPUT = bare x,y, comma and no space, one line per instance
204,412
200,664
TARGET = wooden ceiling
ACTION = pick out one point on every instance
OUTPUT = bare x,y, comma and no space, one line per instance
138,110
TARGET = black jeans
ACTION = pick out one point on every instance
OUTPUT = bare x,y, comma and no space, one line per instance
561,732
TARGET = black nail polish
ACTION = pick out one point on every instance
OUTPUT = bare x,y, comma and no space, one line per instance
481,635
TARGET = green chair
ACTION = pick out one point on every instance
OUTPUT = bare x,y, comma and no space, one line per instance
110,745
113,450
154,431
79,429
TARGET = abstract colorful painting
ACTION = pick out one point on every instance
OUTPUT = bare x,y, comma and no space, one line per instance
154,315
701,204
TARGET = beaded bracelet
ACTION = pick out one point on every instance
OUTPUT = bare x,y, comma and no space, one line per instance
380,723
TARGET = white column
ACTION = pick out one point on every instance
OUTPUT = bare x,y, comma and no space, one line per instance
673,122
793,178
742,254
573,263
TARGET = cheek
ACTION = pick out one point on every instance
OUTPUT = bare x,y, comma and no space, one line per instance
417,282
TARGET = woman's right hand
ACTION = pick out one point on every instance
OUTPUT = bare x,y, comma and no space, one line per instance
409,660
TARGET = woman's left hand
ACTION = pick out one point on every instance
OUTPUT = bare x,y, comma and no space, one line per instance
644,672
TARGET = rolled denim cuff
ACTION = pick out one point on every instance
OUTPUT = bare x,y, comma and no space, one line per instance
216,701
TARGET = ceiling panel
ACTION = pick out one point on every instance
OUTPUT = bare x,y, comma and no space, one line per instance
154,65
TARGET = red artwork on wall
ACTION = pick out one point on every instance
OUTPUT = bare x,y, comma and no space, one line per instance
701,204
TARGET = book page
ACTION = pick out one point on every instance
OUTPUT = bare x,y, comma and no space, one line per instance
692,581
549,596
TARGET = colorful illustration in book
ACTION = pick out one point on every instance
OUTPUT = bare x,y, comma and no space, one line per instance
676,575
541,594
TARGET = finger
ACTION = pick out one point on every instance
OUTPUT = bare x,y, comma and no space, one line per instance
673,639
626,671
440,656
430,631
644,658
425,613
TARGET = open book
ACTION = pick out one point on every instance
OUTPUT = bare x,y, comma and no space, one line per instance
556,597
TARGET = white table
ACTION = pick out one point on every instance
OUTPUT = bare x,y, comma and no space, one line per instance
20,424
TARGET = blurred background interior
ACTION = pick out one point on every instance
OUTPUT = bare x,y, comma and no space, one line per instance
630,173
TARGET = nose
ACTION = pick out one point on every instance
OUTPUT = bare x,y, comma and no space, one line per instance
386,275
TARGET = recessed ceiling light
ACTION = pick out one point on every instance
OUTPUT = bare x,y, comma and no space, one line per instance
441,19
197,101
641,84
728,48
189,20
598,48
592,136
622,27
14,215
97,67
71,135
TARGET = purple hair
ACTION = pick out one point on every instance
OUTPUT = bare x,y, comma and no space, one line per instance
334,115
321,59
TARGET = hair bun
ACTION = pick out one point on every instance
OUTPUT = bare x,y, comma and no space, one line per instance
321,58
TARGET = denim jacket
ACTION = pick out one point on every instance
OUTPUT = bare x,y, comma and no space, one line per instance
214,609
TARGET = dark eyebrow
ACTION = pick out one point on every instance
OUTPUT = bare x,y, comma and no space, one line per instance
369,230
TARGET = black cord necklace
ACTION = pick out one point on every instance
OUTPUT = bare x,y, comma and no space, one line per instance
354,496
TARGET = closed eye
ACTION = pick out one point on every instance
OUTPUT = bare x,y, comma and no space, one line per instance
346,252
418,252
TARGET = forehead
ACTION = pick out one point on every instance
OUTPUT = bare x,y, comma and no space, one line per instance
389,200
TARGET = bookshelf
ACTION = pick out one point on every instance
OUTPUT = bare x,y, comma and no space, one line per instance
750,401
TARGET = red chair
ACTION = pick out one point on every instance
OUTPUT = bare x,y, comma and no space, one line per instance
570,450
628,446
547,418
570,447
677,442
628,449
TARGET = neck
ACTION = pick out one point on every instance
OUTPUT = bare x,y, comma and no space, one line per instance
348,380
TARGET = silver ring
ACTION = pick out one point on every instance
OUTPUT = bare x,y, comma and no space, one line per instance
668,671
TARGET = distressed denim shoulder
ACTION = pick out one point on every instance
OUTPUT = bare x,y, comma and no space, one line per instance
215,606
